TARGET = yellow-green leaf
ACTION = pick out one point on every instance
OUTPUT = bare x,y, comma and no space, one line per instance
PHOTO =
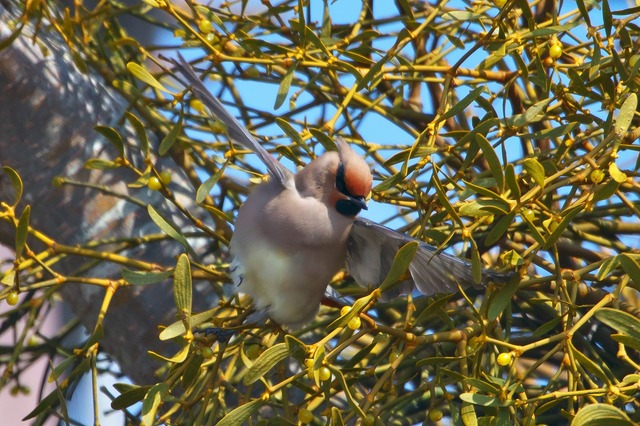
170,138
265,362
630,265
22,230
207,185
144,277
141,132
145,76
535,170
492,158
183,290
112,136
627,110
400,264
239,415
16,182
131,396
601,415
502,298
616,174
152,401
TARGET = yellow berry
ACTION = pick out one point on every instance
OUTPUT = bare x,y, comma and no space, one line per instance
324,374
369,420
555,51
165,177
12,298
206,352
435,415
305,416
499,3
596,176
345,310
504,358
354,323
205,26
154,184
253,352
528,214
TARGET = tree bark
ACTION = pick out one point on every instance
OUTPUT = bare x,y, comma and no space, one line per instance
48,111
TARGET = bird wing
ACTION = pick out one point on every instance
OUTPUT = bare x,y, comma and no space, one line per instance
235,130
372,248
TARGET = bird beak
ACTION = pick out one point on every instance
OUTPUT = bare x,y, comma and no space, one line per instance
360,202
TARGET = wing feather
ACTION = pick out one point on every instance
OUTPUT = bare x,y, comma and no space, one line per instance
372,248
236,131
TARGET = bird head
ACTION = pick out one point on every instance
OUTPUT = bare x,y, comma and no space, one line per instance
353,181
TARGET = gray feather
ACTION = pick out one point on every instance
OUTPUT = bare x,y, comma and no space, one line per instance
235,130
372,248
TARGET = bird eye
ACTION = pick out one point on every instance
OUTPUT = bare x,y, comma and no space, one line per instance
340,184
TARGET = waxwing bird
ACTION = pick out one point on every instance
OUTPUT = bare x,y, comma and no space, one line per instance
295,231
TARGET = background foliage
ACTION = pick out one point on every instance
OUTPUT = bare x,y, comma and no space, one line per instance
506,130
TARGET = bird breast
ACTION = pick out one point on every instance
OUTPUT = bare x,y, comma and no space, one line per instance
286,248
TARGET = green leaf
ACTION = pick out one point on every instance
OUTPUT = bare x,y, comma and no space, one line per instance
292,133
183,290
355,406
389,182
512,181
296,348
285,84
467,414
484,400
207,185
626,340
152,401
551,240
100,164
601,415
480,208
501,299
144,277
239,415
463,104
589,365
141,132
177,328
112,136
131,396
179,357
476,263
170,138
22,230
444,200
492,158
265,362
167,227
533,114
143,75
535,170
607,266
620,321
47,403
631,267
500,228
400,264
16,182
